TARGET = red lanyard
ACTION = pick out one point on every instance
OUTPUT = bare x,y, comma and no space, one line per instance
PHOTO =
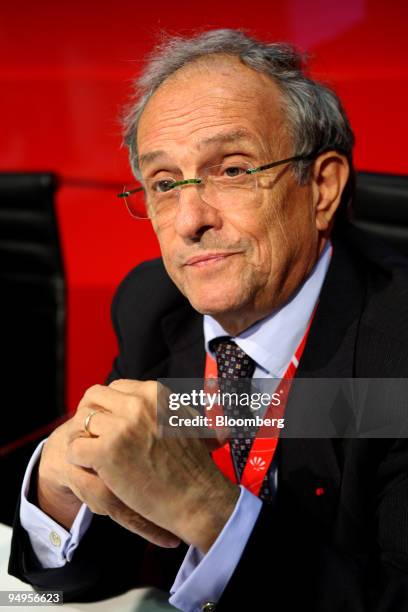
263,448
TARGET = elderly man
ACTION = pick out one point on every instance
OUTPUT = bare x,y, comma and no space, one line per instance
246,166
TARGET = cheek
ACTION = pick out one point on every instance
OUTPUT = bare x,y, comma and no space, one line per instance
264,229
286,218
167,242
282,227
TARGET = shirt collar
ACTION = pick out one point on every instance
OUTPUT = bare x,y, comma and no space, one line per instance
273,341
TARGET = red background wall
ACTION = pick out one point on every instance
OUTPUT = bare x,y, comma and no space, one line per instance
65,71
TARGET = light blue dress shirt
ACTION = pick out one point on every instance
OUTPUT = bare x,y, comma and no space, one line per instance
271,343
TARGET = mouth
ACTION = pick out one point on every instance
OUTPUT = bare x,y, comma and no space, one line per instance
208,259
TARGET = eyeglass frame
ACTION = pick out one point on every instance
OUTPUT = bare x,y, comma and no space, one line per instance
198,180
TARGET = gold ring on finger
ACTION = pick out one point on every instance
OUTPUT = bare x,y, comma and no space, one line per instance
87,421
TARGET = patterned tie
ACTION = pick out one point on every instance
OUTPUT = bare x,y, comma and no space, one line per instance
234,366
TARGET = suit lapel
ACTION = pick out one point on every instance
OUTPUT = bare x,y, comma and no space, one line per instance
310,468
183,333
329,352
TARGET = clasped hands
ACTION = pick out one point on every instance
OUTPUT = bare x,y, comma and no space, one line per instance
164,489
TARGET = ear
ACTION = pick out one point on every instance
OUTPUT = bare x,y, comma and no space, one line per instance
329,177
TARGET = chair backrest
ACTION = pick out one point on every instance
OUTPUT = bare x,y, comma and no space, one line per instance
32,314
381,207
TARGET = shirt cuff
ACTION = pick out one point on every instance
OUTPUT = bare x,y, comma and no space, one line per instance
203,578
52,544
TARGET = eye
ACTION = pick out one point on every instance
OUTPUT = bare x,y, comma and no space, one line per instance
233,171
162,185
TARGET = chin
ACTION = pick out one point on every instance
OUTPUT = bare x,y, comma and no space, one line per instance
215,305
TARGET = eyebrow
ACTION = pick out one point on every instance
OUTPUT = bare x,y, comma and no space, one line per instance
149,157
226,137
223,138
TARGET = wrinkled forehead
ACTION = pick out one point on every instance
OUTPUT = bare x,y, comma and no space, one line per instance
205,99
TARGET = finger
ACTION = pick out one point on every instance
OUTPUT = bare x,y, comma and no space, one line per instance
90,489
136,523
77,423
100,422
84,485
126,385
85,452
107,398
143,389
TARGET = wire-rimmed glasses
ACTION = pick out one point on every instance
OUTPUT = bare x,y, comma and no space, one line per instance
221,186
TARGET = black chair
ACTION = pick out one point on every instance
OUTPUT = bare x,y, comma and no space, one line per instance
381,208
32,323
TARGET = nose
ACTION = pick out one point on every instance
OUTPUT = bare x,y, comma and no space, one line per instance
194,216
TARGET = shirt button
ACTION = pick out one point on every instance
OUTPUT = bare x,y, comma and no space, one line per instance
209,606
55,539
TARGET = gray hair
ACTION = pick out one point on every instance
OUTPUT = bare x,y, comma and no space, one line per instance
316,118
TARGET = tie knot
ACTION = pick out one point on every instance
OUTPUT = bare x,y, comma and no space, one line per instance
232,361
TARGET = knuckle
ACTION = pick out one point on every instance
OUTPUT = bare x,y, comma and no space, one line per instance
90,392
86,399
133,405
135,522
150,384
90,397
117,511
150,387
118,383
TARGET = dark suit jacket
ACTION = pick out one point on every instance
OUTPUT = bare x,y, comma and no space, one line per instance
344,550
